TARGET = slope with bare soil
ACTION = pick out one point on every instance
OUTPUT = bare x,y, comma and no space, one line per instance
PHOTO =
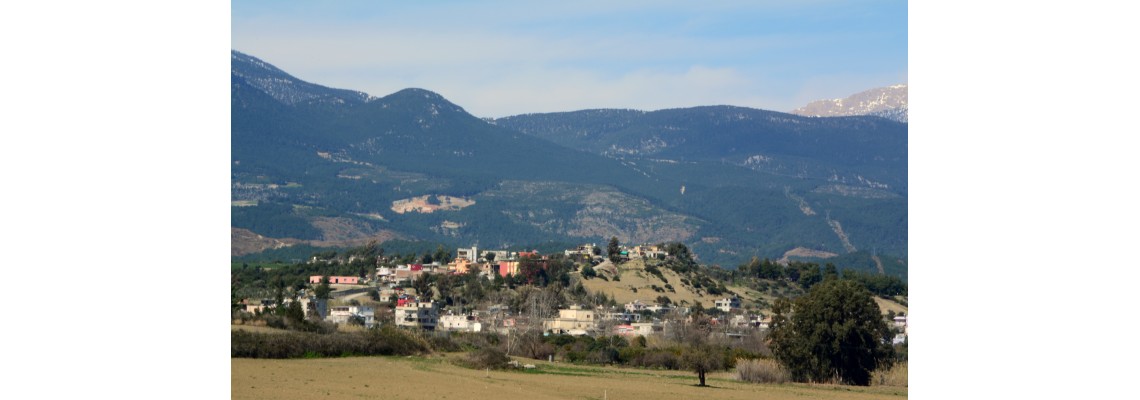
637,284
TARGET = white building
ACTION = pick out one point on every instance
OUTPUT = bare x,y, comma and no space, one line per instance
343,314
460,323
635,306
898,339
728,304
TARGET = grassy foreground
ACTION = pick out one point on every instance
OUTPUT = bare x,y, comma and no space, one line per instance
436,378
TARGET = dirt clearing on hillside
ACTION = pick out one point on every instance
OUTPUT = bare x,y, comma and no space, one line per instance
423,205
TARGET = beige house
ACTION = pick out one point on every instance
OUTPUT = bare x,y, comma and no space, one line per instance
648,328
423,315
574,321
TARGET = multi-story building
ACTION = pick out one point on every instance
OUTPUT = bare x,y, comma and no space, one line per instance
469,254
728,304
584,249
424,315
574,321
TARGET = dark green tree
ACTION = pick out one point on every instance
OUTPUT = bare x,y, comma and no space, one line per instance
830,272
835,331
614,250
442,255
588,272
323,291
422,285
809,275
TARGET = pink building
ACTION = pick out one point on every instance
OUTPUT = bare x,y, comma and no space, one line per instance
508,268
349,280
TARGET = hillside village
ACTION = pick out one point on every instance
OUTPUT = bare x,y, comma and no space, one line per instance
400,294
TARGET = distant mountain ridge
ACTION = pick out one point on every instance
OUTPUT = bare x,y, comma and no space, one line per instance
761,140
320,165
286,88
887,102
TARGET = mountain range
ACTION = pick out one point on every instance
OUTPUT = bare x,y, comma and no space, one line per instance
318,166
888,102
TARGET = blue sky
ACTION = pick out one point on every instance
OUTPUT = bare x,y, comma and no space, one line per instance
511,57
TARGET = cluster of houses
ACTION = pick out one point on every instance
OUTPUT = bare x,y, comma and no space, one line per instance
365,315
575,320
413,312
488,263
504,263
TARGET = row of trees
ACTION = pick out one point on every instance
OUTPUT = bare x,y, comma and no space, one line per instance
808,274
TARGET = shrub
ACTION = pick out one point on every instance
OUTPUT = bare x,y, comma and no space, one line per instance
761,371
444,343
588,272
896,375
486,358
389,340
657,358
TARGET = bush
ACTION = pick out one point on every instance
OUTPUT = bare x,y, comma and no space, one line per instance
588,272
444,343
384,341
657,358
761,371
486,358
896,375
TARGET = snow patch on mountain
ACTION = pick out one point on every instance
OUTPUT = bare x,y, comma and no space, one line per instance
888,102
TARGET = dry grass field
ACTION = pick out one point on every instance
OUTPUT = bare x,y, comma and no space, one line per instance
887,305
436,378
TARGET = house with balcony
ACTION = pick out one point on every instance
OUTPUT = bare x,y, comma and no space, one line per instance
728,304
417,314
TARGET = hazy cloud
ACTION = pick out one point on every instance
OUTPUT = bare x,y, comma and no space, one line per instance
498,61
